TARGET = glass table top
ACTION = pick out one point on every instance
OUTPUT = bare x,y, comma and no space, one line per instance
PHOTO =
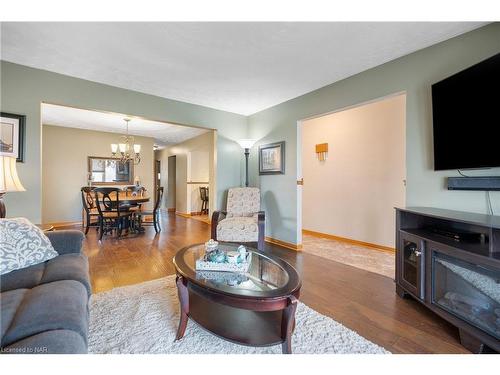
267,276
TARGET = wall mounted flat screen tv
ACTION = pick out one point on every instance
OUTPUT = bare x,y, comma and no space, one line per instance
466,118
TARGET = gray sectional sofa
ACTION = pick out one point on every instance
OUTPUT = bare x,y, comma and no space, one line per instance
44,308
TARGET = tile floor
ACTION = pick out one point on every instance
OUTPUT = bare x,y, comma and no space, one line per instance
369,259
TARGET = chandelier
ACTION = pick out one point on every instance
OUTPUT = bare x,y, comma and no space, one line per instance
129,151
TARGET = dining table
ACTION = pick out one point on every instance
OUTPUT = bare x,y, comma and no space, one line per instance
128,199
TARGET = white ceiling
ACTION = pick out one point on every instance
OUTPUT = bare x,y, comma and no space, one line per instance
164,134
237,67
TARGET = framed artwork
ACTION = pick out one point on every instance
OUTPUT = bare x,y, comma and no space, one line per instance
272,158
12,134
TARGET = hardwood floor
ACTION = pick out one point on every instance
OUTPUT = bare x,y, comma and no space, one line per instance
361,300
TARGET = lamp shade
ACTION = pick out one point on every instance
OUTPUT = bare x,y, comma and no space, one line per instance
9,181
137,148
246,143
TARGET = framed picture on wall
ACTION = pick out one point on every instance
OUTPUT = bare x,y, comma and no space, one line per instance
272,158
12,133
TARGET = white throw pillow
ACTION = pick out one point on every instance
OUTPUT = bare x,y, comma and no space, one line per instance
22,244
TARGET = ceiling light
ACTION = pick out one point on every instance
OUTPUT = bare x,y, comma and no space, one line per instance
129,151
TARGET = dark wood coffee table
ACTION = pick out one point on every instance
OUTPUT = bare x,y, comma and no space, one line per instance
256,308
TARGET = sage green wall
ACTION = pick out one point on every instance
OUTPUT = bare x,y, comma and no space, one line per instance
24,88
414,74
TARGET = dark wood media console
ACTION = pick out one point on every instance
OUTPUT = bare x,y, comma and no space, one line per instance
450,262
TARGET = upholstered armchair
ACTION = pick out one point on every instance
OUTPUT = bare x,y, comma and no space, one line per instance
242,221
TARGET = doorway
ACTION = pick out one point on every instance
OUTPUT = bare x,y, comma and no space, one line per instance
171,184
84,134
157,175
187,168
350,190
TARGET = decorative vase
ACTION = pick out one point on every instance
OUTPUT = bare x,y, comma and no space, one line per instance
211,245
242,257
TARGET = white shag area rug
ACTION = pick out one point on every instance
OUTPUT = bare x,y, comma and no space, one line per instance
143,318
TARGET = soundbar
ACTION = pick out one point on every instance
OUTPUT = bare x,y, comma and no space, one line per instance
489,183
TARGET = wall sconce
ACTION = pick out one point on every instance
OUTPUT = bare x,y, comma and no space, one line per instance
322,151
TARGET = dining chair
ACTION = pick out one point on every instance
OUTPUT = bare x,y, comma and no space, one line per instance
113,215
204,199
134,189
89,207
135,207
155,213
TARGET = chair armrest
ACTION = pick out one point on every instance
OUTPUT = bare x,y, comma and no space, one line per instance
66,241
261,225
216,217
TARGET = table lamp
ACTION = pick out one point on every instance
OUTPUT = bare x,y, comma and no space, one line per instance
9,181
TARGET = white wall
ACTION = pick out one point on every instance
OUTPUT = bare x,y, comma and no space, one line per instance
195,162
64,168
198,171
170,182
352,194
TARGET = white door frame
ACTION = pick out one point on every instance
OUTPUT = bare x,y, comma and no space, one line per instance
299,181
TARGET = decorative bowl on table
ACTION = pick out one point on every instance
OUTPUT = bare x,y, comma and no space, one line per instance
225,261
216,256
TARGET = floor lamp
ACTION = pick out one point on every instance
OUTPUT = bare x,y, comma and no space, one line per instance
246,144
9,181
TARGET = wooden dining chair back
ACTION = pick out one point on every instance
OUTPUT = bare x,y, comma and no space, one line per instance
139,190
88,197
204,199
89,208
107,199
159,197
155,213
112,214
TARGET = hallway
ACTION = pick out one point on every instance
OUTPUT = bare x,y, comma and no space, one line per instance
366,258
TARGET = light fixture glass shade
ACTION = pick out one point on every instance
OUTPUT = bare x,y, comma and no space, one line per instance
9,181
126,147
246,143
